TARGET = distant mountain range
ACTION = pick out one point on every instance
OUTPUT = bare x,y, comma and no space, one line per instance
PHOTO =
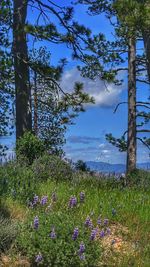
110,168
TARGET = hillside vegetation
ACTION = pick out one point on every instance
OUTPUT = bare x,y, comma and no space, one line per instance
54,216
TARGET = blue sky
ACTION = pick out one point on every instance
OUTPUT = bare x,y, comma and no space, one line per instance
86,139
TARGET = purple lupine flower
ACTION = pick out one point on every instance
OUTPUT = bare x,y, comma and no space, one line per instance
106,221
38,258
72,202
35,200
108,231
93,234
88,222
82,257
75,233
99,221
102,234
54,197
36,222
82,197
52,233
114,212
82,248
44,200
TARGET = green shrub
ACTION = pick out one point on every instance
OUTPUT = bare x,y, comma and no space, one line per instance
50,166
17,181
29,147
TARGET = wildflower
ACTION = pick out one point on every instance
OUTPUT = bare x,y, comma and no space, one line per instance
38,258
82,257
53,234
93,234
99,221
106,221
88,222
44,200
35,200
102,233
81,251
108,231
72,202
36,222
82,196
82,248
54,197
75,234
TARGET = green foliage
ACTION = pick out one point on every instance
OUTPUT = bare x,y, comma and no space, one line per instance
51,167
102,196
63,250
129,203
53,108
17,181
29,147
80,165
120,143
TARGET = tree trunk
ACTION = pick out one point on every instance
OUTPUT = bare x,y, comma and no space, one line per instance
131,142
35,105
146,39
22,84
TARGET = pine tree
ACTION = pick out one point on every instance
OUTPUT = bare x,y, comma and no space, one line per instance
65,31
124,17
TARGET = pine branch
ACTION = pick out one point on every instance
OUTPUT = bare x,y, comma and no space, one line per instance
118,106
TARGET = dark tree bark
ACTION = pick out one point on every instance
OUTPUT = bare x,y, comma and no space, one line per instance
146,38
131,141
22,84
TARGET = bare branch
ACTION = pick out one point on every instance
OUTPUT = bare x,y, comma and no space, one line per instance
119,105
144,143
143,81
143,131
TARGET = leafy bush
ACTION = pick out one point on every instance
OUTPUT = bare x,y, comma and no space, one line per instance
56,238
17,181
29,147
50,166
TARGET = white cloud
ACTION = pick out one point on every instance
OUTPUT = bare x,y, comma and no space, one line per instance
104,96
